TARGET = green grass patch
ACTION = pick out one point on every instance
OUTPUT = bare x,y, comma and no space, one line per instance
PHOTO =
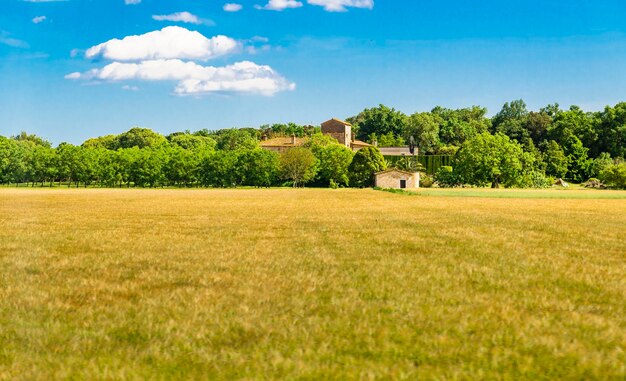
553,193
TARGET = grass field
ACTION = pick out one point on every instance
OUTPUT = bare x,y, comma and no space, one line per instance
312,284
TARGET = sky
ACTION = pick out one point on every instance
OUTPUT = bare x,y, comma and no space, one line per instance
75,69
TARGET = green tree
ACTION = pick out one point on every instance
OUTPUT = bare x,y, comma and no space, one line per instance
579,162
69,163
109,142
334,161
140,138
192,142
379,120
599,164
366,162
387,140
614,175
537,124
13,161
425,129
494,159
298,165
234,139
219,169
258,167
456,126
36,140
146,166
610,129
181,166
573,123
555,160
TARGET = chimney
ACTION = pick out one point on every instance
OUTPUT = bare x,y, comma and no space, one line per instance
293,139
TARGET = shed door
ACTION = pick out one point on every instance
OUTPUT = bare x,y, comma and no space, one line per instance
402,184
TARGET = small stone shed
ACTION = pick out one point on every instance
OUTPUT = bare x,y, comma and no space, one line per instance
397,179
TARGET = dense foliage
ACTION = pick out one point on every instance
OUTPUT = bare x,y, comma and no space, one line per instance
516,147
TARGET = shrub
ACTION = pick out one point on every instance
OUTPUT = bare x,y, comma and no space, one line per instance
614,175
446,178
535,179
426,181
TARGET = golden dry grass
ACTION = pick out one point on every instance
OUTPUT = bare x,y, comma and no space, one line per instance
310,284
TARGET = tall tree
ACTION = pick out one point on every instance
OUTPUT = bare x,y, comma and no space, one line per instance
555,160
258,167
140,138
424,128
298,165
457,126
491,159
379,120
366,162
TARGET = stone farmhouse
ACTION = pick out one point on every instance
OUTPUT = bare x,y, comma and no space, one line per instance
338,129
342,132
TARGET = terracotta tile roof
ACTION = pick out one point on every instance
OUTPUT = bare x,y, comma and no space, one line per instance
361,144
338,120
283,142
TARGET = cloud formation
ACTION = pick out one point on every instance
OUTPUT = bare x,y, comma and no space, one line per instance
279,5
329,5
132,2
184,17
6,39
241,77
168,55
232,7
341,5
169,42
38,19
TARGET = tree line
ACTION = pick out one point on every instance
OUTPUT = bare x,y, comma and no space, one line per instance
514,148
141,157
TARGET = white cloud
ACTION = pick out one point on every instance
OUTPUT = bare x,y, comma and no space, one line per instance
39,19
130,88
185,17
75,75
279,5
340,5
168,43
232,7
6,39
132,2
241,77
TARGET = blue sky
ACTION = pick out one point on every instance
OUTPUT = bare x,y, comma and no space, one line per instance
303,64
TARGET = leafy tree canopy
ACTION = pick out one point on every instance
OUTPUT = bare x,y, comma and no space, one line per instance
365,164
379,120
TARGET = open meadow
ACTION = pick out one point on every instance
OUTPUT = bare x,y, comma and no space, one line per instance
312,284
